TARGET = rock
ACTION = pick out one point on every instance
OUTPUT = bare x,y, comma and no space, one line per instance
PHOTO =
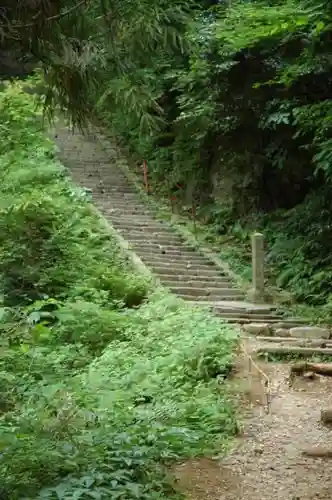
282,332
326,417
257,329
309,332
287,324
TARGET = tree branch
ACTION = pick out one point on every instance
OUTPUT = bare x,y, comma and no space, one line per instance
52,18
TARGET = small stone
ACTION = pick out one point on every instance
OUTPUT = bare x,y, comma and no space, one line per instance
257,329
309,376
258,451
309,332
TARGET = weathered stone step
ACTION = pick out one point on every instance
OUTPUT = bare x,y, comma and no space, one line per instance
113,211
245,307
133,226
95,182
136,220
115,201
215,298
137,236
165,270
181,268
205,292
236,312
242,319
121,197
121,204
113,193
166,256
119,187
198,283
187,254
252,316
197,277
195,260
167,249
100,177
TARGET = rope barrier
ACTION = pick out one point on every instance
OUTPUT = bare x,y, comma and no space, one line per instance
267,383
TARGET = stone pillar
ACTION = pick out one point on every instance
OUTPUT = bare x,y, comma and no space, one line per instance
257,246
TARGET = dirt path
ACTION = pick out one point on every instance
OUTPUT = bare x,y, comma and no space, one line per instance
266,463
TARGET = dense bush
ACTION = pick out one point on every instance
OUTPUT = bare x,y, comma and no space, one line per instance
96,396
58,251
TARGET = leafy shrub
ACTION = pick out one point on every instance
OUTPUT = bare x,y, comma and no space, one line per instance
51,241
157,395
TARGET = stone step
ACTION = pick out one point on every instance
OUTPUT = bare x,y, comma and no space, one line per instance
205,292
96,181
123,197
244,307
186,254
167,249
255,318
241,315
135,206
135,239
193,278
137,236
118,187
86,175
222,283
243,320
165,270
113,211
124,226
176,259
216,298
136,220
159,232
116,194
181,268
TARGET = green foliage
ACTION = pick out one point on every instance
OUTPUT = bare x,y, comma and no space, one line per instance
57,250
87,47
152,396
248,104
97,397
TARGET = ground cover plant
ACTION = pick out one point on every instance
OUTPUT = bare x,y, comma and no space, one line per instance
103,384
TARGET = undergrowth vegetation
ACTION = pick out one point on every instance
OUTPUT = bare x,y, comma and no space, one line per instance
103,384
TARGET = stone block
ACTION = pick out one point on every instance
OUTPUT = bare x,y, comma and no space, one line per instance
309,332
257,329
282,332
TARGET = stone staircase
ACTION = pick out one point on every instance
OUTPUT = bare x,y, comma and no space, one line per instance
184,270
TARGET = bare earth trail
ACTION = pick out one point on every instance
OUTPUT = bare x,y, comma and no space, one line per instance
266,463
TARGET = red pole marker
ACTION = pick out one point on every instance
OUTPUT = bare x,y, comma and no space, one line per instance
145,174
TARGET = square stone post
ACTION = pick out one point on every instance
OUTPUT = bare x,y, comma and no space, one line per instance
257,246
